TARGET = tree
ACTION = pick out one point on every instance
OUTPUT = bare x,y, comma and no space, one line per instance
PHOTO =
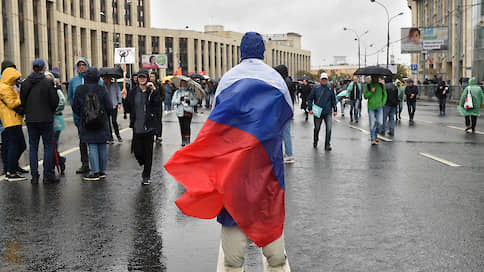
402,72
301,73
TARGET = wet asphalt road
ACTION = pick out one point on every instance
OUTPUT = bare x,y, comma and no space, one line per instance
356,208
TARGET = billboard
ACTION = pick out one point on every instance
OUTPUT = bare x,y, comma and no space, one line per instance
424,39
124,55
154,61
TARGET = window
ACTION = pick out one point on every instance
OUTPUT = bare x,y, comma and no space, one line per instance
129,40
183,58
209,55
169,54
4,26
81,8
104,39
155,45
141,47
115,12
203,56
21,20
141,16
36,28
195,51
127,12
91,10
72,7
103,11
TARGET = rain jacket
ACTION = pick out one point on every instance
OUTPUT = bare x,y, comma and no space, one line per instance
181,108
152,109
476,93
10,99
74,83
324,97
39,97
401,90
376,99
59,124
350,89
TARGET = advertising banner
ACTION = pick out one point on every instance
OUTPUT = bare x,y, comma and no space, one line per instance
154,61
124,55
427,39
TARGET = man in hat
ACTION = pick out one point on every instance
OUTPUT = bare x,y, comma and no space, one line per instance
324,97
40,100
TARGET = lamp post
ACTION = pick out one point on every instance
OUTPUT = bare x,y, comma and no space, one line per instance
358,37
366,47
388,26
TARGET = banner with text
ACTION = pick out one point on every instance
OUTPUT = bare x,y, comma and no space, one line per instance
154,61
424,39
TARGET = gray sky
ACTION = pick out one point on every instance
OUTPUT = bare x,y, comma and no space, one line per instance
320,22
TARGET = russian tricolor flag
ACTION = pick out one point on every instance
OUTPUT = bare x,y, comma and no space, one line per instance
236,161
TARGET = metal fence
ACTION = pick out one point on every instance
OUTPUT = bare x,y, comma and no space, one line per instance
427,91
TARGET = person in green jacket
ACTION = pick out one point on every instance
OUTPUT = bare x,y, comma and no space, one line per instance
376,94
471,114
401,96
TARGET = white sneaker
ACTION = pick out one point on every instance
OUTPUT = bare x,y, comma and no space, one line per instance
289,160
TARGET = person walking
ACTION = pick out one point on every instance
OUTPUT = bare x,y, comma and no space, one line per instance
144,107
305,91
390,108
59,126
125,92
184,100
169,90
40,100
286,136
13,143
376,94
114,94
441,93
401,97
323,97
355,92
411,92
82,64
156,85
92,103
471,112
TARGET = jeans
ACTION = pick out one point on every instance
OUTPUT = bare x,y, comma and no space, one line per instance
411,105
143,152
328,121
342,104
287,140
471,119
376,119
46,131
12,147
354,108
113,124
388,114
58,159
168,103
400,107
98,156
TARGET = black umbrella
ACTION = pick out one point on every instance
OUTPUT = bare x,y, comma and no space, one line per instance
194,76
373,71
114,72
304,78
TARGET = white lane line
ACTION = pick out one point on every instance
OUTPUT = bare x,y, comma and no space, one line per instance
417,120
360,129
463,129
444,161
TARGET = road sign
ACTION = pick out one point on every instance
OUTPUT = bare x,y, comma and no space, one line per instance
414,67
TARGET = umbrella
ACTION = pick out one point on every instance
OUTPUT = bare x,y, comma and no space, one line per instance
114,72
166,78
194,76
305,77
191,84
373,71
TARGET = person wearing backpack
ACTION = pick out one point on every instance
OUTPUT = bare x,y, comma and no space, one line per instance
471,112
39,100
92,104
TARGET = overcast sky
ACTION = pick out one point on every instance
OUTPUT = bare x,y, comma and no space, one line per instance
320,22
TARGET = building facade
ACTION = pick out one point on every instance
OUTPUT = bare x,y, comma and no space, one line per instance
60,31
465,22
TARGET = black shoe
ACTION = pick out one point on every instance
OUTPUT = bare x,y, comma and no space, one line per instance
315,144
101,175
35,180
351,119
15,177
159,140
111,141
21,170
120,139
83,170
51,179
91,177
146,181
327,147
356,121
62,169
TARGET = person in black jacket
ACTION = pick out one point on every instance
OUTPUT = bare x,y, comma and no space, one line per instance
411,92
390,108
288,158
39,99
158,87
144,108
305,91
441,93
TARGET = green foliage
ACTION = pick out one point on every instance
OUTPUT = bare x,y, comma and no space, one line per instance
402,72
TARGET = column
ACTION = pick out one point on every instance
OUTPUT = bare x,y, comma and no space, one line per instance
42,28
53,36
234,55
206,58
97,8
87,11
223,57
86,43
27,48
213,72
230,57
109,13
147,13
190,55
176,49
199,56
218,64
61,49
136,64
134,13
3,54
77,10
76,42
162,51
98,49
121,11
69,56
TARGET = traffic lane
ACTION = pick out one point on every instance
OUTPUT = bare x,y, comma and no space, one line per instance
369,206
112,225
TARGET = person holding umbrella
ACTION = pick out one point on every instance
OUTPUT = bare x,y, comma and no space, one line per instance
184,100
376,94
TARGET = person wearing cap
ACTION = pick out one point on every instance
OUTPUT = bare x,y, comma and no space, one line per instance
40,100
185,101
376,94
323,96
411,92
13,144
144,108
81,64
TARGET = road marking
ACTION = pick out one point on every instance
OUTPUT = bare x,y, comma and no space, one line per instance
463,129
449,163
417,120
360,129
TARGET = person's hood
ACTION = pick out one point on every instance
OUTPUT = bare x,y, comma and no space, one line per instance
252,46
47,73
397,82
35,77
6,64
9,76
472,81
82,59
282,70
92,75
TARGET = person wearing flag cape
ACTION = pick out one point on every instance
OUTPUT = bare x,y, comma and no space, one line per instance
236,162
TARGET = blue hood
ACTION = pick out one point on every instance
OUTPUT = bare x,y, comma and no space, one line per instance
252,46
83,59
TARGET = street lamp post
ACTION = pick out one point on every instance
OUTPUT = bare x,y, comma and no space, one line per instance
388,27
366,47
358,37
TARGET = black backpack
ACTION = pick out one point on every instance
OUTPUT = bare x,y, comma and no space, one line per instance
93,112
